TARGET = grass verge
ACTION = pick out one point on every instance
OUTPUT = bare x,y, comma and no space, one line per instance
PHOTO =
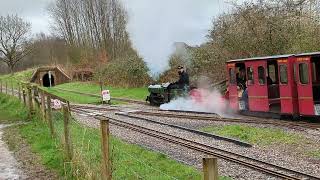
315,154
11,110
91,88
75,98
254,135
17,77
129,161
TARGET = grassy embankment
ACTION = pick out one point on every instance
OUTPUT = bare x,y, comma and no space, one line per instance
130,161
91,88
84,87
261,136
17,77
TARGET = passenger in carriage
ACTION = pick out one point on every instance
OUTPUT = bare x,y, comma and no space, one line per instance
269,80
245,97
241,79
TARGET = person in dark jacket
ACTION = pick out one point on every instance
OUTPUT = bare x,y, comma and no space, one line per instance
183,82
241,79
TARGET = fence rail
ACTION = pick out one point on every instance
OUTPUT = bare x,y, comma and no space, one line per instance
39,102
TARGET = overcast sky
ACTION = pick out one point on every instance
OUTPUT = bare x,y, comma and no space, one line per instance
154,25
34,11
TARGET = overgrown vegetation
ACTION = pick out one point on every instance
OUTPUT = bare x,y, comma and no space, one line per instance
260,136
96,35
130,71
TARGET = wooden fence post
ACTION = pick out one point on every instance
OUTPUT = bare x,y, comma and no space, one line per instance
12,92
43,106
6,87
49,117
35,95
24,95
19,91
67,140
30,104
210,168
106,165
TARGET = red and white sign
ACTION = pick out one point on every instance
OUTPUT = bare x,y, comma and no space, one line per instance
57,104
106,95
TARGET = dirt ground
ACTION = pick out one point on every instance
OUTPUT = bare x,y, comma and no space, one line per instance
8,165
20,163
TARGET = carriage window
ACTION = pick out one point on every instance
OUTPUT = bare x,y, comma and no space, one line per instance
272,72
261,75
283,74
314,72
303,73
294,72
232,76
250,75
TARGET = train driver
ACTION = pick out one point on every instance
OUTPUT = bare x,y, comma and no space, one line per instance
183,82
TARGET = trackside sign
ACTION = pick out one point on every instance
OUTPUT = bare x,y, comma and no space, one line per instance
106,95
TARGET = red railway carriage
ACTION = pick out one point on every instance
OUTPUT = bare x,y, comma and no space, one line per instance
283,85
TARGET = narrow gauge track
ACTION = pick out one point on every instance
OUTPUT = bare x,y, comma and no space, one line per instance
196,116
295,125
235,141
249,162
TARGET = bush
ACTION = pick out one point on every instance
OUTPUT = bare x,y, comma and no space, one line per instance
127,71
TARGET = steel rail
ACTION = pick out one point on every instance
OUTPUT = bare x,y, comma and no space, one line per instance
210,150
235,141
293,125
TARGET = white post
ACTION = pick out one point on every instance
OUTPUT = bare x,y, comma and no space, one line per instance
49,73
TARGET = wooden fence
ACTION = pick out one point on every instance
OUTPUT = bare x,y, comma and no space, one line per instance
39,101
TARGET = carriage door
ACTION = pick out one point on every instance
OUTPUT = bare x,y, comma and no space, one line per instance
233,92
258,99
288,86
304,85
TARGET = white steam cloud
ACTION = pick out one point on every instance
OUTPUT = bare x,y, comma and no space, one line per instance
154,26
203,99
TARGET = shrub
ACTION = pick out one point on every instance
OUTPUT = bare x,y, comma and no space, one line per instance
127,71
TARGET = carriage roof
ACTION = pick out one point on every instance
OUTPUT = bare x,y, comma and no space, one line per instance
275,57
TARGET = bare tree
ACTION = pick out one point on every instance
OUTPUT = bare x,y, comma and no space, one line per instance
13,40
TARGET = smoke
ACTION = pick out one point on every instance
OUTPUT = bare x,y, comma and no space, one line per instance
154,26
203,99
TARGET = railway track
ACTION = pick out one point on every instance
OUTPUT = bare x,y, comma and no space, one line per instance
204,116
199,115
294,125
258,165
194,131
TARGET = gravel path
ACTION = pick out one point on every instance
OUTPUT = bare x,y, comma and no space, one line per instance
8,164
